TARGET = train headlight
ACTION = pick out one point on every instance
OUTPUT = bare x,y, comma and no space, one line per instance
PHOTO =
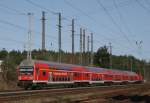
31,77
19,77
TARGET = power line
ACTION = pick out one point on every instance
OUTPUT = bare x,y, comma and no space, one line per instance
14,25
113,21
77,9
121,18
42,7
21,27
16,41
39,6
15,10
12,9
3,10
87,15
20,13
143,6
48,9
147,2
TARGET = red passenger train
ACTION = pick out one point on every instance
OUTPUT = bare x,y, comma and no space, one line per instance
37,73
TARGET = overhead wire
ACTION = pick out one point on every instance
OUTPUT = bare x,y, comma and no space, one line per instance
12,9
39,6
21,13
83,13
114,22
148,2
121,19
143,6
18,13
42,7
20,27
47,10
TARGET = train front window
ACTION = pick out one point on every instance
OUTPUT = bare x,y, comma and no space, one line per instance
26,70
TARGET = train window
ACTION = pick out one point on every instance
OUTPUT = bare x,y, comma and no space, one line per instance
86,75
60,79
44,73
26,70
94,79
53,79
68,79
63,78
97,79
76,74
56,78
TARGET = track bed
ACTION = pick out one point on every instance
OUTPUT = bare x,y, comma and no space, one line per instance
110,94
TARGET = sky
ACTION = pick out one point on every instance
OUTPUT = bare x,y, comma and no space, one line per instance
119,22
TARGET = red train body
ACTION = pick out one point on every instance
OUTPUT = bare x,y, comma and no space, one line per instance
36,73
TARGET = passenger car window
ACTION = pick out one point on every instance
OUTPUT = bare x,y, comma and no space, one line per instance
44,73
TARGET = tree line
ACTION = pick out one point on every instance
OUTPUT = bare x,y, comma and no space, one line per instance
101,58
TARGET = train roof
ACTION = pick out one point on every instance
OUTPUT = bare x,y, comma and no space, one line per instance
72,67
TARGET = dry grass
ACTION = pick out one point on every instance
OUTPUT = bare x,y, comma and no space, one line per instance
11,85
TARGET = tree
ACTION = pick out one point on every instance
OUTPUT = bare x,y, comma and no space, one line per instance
101,57
9,69
3,54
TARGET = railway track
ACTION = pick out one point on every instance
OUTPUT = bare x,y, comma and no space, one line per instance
54,93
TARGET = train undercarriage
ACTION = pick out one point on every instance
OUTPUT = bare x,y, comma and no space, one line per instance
40,85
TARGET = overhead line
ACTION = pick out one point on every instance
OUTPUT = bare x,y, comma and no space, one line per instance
12,9
42,7
16,41
121,18
48,10
113,21
14,25
68,3
19,27
82,12
143,6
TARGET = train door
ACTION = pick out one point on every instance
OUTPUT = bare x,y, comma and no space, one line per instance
37,74
50,77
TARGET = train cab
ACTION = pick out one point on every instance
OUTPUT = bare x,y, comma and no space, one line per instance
25,73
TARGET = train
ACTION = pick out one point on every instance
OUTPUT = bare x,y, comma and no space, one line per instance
38,74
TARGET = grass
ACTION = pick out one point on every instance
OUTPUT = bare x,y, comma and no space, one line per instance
11,85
